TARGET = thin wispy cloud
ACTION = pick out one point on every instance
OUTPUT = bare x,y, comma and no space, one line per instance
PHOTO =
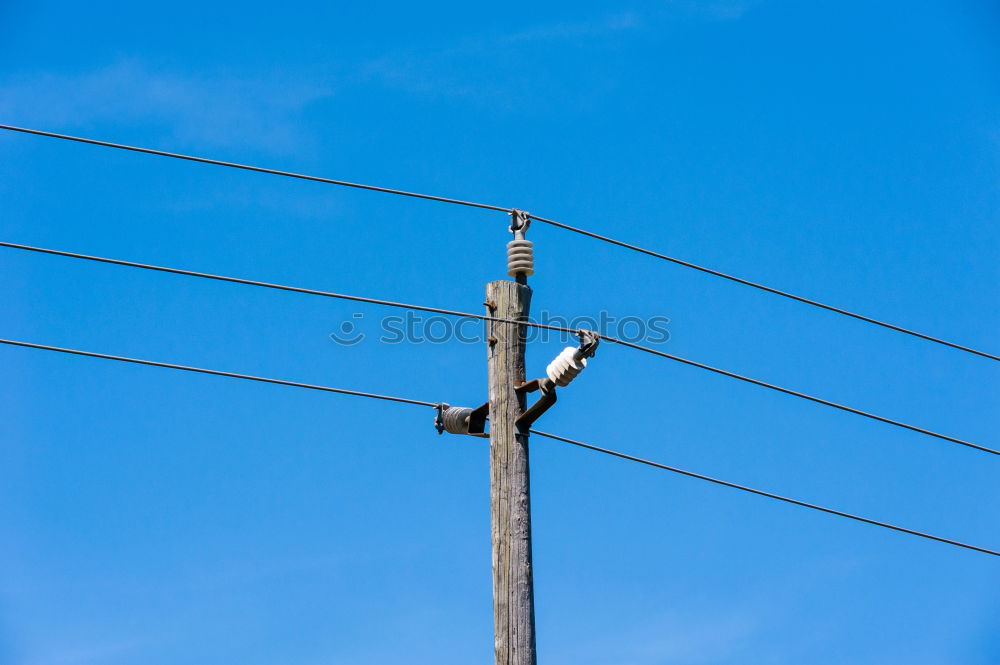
490,68
568,30
205,109
236,109
90,654
678,639
715,10
494,67
724,629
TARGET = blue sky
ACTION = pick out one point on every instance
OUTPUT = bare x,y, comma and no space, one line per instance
846,151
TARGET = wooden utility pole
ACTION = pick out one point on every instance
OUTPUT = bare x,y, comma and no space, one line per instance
510,497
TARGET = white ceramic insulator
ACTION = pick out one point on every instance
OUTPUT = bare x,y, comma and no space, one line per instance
520,257
567,365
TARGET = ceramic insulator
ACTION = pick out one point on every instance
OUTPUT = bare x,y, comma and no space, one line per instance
456,419
520,257
567,365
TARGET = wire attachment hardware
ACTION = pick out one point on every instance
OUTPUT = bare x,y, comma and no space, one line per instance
589,341
461,419
520,252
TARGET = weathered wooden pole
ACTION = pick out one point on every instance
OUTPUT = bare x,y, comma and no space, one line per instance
510,497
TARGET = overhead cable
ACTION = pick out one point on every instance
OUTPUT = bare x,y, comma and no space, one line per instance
769,495
532,324
486,206
403,400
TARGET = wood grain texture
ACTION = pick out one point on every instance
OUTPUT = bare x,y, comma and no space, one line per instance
510,496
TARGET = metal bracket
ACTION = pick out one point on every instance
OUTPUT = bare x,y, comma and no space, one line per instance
477,420
548,398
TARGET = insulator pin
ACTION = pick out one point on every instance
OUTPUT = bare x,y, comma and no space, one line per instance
566,367
520,257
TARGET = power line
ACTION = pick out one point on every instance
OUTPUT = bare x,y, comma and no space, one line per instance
485,206
214,372
482,317
281,287
266,285
256,169
795,393
769,495
762,287
403,400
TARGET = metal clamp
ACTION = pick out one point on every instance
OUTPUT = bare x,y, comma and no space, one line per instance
589,340
519,221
